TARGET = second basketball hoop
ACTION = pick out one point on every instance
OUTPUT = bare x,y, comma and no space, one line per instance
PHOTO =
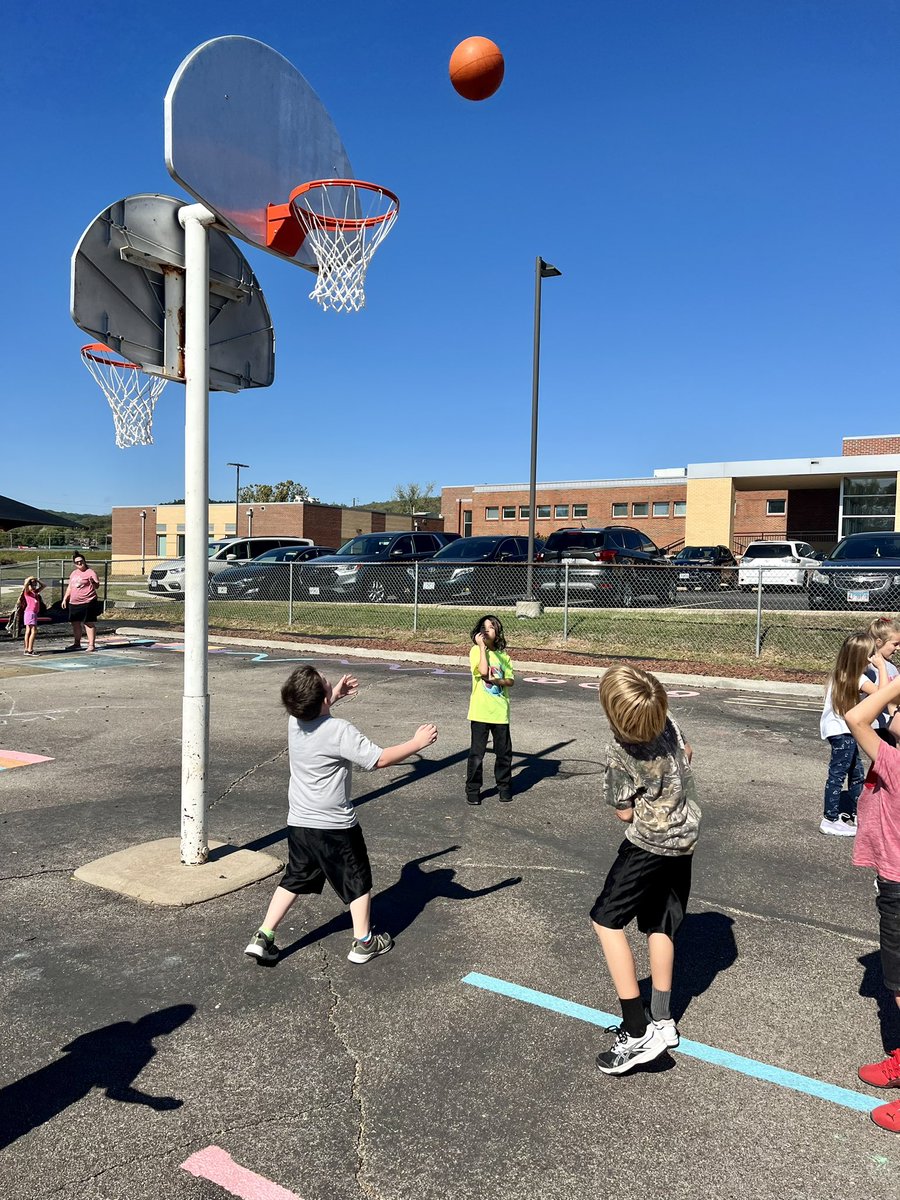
343,222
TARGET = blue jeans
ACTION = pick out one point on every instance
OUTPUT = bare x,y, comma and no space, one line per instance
846,763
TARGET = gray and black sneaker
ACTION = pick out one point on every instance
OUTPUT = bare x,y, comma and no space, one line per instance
262,948
378,943
627,1052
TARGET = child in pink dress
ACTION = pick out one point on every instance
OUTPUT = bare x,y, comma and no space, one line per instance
30,603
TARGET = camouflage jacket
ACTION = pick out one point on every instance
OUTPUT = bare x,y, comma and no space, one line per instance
657,782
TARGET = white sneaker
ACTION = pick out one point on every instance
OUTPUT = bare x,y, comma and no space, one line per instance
668,1030
844,826
627,1052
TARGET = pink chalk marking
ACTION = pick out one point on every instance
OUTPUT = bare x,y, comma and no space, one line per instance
216,1165
15,758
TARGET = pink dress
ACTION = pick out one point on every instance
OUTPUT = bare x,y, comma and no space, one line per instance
31,609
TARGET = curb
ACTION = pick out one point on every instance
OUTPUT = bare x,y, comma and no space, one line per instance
771,686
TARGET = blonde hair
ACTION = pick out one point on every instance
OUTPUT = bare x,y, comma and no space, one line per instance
852,660
883,629
635,704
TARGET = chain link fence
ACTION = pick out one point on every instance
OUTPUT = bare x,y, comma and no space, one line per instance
793,618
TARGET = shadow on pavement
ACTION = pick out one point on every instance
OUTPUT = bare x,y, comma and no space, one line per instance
705,946
396,907
110,1058
872,987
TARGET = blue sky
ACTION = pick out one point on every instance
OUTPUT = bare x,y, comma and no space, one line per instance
717,180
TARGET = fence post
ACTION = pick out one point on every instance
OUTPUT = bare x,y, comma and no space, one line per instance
416,597
37,569
566,606
291,593
759,612
105,584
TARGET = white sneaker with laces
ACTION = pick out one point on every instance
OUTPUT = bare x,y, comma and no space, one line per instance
668,1030
844,826
627,1052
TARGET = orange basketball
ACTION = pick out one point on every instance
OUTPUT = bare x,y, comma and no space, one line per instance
476,68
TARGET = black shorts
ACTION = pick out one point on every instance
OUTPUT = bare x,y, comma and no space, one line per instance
338,855
888,903
85,612
652,887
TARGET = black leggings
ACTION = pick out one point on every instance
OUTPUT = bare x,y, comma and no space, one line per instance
502,760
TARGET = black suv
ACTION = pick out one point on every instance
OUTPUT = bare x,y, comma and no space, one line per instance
862,571
371,567
697,567
616,566
472,571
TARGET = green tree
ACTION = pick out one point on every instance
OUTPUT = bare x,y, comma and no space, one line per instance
413,497
278,493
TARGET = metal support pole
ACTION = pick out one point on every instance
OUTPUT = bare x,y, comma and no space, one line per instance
415,597
535,376
566,606
291,594
143,540
195,704
759,612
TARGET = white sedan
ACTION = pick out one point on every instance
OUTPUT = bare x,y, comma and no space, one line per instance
780,564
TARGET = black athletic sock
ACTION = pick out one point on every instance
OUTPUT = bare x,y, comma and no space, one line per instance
659,1005
633,1017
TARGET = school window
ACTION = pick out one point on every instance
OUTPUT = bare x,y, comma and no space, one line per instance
524,512
620,509
579,510
680,508
776,508
561,512
660,508
230,530
640,509
492,514
160,545
179,545
509,512
543,512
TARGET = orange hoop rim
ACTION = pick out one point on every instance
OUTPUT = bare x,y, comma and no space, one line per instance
331,224
99,353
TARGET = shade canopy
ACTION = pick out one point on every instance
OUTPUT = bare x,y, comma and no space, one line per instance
13,514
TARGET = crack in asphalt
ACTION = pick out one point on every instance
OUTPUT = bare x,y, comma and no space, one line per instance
35,874
355,1092
246,775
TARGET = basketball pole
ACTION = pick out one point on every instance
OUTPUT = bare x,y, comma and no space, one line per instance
195,220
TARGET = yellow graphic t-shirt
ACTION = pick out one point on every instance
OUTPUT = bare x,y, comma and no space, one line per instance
489,702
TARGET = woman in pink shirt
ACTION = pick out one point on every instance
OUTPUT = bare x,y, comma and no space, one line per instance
84,606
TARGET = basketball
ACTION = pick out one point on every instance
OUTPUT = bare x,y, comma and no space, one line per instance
476,68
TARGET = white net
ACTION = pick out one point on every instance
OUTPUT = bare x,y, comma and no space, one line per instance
345,223
131,394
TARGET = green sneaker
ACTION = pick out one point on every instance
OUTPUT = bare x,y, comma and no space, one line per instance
378,943
262,948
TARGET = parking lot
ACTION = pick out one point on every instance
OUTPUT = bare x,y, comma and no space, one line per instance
139,1039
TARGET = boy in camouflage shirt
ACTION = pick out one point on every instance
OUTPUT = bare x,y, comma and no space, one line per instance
649,783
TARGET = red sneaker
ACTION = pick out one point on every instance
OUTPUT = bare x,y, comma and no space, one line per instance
887,1116
882,1074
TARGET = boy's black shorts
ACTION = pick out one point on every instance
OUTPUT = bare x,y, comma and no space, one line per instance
652,887
338,855
888,903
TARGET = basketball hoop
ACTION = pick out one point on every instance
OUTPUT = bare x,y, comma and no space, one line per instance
344,221
131,394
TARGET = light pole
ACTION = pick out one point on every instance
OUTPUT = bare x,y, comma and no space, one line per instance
542,270
237,492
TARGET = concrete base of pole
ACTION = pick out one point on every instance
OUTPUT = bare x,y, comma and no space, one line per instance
154,873
529,608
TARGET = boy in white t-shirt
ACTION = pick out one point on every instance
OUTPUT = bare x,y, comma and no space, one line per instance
325,841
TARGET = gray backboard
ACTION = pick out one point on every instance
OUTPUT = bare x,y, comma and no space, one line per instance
243,129
128,292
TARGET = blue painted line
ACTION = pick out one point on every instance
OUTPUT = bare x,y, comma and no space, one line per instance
710,1054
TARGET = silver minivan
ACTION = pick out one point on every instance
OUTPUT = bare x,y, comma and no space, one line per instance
167,579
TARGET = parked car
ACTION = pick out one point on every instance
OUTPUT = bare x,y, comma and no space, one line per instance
471,570
780,564
862,571
371,568
614,565
167,578
268,577
697,567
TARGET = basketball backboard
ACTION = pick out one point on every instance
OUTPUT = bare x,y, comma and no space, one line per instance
243,130
128,293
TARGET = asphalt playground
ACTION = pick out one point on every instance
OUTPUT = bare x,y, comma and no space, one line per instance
143,1056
